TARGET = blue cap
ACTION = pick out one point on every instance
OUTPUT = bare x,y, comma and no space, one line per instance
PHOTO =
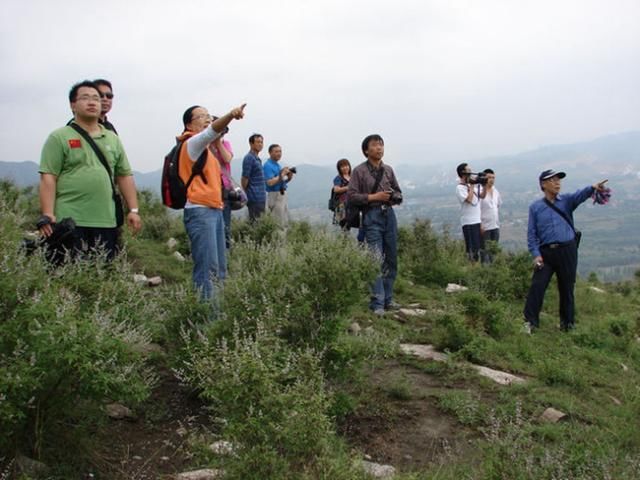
547,174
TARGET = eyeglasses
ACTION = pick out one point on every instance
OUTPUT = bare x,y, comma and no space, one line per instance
88,98
108,95
205,116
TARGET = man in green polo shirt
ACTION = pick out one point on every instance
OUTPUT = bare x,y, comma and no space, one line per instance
75,184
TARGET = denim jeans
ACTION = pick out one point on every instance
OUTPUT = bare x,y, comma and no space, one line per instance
381,234
205,227
226,215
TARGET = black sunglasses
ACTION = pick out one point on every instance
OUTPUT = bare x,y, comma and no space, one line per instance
109,95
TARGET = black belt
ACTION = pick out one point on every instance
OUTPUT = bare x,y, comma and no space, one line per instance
558,244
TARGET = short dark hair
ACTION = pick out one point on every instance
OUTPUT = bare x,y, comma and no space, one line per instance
368,139
103,82
73,93
341,162
253,137
488,170
187,116
460,168
272,146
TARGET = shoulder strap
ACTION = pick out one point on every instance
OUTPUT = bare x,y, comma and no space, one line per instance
561,213
378,178
97,151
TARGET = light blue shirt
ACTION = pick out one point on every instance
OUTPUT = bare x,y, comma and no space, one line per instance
547,226
272,169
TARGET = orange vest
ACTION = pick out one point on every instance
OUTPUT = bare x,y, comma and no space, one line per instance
200,193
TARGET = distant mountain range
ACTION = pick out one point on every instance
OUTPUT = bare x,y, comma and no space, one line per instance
616,157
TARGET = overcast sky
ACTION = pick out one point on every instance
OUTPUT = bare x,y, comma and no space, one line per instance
440,80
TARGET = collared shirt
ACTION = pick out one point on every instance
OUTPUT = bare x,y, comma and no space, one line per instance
489,206
252,170
363,179
547,226
83,187
272,169
469,211
108,125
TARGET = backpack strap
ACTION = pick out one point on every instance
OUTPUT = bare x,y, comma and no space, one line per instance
197,168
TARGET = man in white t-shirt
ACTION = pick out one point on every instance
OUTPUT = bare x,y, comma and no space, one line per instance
469,194
489,216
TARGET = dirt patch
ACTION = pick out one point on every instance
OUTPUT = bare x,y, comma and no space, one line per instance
155,444
410,433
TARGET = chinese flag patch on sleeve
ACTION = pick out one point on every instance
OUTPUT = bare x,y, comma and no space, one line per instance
74,143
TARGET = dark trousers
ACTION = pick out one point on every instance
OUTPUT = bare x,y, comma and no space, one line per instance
488,236
563,261
90,239
256,209
471,234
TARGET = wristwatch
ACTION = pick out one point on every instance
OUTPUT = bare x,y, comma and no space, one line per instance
135,210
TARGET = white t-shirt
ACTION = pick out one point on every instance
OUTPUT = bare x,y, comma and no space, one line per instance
489,206
469,212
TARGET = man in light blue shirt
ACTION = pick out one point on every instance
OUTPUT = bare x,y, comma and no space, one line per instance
276,180
552,241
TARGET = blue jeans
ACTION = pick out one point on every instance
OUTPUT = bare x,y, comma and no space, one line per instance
381,234
205,227
226,215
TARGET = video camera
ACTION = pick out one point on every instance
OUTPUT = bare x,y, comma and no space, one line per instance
477,178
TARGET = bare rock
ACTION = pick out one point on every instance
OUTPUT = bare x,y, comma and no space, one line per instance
30,468
172,243
412,312
140,278
377,470
597,290
222,447
154,281
355,328
178,256
427,352
503,378
615,400
551,415
454,287
118,411
204,474
624,367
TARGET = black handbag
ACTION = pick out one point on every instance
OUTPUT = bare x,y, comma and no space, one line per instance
577,233
117,200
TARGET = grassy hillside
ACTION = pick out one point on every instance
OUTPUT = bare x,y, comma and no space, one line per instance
285,375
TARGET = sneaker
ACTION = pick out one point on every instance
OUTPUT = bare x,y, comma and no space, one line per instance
392,306
379,312
526,328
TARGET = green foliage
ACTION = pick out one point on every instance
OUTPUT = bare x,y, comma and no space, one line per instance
452,332
466,406
429,258
273,400
301,287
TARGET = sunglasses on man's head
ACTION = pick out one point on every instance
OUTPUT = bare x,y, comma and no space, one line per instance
109,95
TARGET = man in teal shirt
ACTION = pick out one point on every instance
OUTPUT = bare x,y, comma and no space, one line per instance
75,184
276,180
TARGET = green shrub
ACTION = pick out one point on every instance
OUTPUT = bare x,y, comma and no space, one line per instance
302,289
464,405
272,398
429,258
452,332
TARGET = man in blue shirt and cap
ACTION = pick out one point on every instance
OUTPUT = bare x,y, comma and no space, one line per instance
553,242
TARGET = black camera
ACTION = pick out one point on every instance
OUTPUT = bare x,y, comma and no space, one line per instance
233,195
477,178
293,169
395,198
